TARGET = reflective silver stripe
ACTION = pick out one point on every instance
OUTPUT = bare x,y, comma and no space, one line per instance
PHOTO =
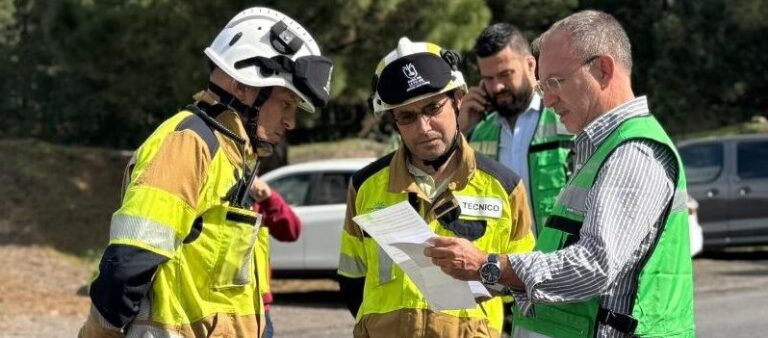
244,275
149,331
351,265
574,198
487,148
143,230
680,201
102,321
145,307
546,130
385,267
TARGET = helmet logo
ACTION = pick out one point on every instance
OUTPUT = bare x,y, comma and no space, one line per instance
410,71
414,79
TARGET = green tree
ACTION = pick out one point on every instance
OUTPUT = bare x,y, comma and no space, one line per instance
106,72
701,61
357,34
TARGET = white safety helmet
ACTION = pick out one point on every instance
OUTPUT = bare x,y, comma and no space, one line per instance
414,71
262,47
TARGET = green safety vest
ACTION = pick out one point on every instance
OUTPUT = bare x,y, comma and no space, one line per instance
663,305
547,158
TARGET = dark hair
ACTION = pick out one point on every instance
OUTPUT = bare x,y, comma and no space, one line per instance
499,35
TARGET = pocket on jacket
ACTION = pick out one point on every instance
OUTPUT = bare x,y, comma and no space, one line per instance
236,254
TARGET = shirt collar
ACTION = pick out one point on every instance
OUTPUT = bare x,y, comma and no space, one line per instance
535,102
598,130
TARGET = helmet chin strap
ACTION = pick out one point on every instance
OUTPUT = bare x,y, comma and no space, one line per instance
440,160
261,148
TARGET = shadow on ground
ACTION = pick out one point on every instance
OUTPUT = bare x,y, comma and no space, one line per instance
739,262
740,255
317,299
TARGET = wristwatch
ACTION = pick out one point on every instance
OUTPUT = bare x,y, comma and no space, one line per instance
490,272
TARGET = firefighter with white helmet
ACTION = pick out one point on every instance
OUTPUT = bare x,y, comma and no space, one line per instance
457,192
180,259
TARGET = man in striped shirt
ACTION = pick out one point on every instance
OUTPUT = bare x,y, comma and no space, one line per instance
613,261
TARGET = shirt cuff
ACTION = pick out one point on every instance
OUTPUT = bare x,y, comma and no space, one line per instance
529,272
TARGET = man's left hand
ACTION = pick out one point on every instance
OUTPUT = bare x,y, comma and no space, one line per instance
260,190
457,257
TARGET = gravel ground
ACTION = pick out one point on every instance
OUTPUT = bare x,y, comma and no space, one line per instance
310,308
39,298
39,294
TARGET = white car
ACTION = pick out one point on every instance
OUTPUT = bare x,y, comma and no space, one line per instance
317,193
694,228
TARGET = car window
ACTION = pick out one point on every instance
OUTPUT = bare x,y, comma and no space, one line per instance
331,188
293,188
703,162
752,159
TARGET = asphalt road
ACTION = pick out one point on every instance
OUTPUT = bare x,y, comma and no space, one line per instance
731,301
732,295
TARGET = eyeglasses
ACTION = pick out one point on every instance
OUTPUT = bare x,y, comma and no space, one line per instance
554,84
407,117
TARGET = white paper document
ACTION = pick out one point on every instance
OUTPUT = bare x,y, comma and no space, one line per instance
403,235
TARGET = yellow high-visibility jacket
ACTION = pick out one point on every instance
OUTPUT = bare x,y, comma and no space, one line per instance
175,207
494,214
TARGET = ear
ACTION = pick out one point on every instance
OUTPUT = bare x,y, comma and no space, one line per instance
458,95
606,67
530,64
238,90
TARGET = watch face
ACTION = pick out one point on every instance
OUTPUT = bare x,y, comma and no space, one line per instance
490,273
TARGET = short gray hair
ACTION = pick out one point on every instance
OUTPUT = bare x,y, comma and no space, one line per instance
593,33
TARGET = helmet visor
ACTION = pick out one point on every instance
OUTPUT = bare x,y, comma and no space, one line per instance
312,77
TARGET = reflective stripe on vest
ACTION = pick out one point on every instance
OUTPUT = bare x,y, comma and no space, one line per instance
575,199
149,331
354,266
547,158
125,228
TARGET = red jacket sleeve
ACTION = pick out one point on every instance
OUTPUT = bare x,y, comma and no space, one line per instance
283,224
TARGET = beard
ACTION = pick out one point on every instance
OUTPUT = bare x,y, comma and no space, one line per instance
520,100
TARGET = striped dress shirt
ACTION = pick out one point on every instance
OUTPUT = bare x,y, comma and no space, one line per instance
624,211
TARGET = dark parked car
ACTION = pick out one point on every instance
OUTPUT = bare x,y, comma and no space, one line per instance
729,178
